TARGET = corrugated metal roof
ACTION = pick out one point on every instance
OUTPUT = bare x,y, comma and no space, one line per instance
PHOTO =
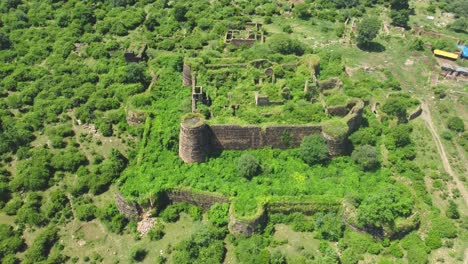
446,54
465,52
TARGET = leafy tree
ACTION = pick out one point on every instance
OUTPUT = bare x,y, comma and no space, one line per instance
417,44
366,157
364,136
12,206
278,258
58,202
433,240
400,135
400,18
4,41
40,248
34,173
157,232
69,160
86,212
10,241
384,207
30,213
248,166
302,11
399,4
218,214
281,43
396,107
113,220
455,123
329,226
367,31
252,250
151,22
314,150
452,210
179,13
460,25
138,254
204,246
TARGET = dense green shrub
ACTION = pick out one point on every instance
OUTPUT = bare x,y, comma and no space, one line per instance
248,166
113,220
366,157
204,246
138,254
10,241
157,232
314,150
86,212
384,207
40,248
218,214
455,123
367,30
285,45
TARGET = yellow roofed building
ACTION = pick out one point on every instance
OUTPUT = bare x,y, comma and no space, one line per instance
445,54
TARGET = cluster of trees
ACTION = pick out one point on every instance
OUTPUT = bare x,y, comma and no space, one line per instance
400,12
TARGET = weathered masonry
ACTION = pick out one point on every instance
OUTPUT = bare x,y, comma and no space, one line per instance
198,140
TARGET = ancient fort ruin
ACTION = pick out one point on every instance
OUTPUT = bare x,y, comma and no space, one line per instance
201,138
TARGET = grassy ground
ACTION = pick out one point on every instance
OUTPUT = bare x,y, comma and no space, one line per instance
6,219
297,243
88,239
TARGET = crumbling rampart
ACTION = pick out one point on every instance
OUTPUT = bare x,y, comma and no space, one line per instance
200,199
197,140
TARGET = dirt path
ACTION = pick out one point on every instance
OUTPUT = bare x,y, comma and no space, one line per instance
426,115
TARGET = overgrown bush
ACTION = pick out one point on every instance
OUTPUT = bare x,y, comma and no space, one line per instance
248,166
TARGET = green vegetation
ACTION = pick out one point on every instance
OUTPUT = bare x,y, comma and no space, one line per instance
248,166
314,150
79,121
367,31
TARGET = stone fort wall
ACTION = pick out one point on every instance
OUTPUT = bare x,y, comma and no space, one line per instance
197,140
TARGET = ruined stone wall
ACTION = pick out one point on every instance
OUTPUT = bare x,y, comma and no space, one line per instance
242,42
235,137
202,200
186,75
337,110
129,210
246,227
415,114
253,137
197,142
288,136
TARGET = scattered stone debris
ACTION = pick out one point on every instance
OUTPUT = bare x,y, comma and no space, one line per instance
409,62
145,225
91,128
